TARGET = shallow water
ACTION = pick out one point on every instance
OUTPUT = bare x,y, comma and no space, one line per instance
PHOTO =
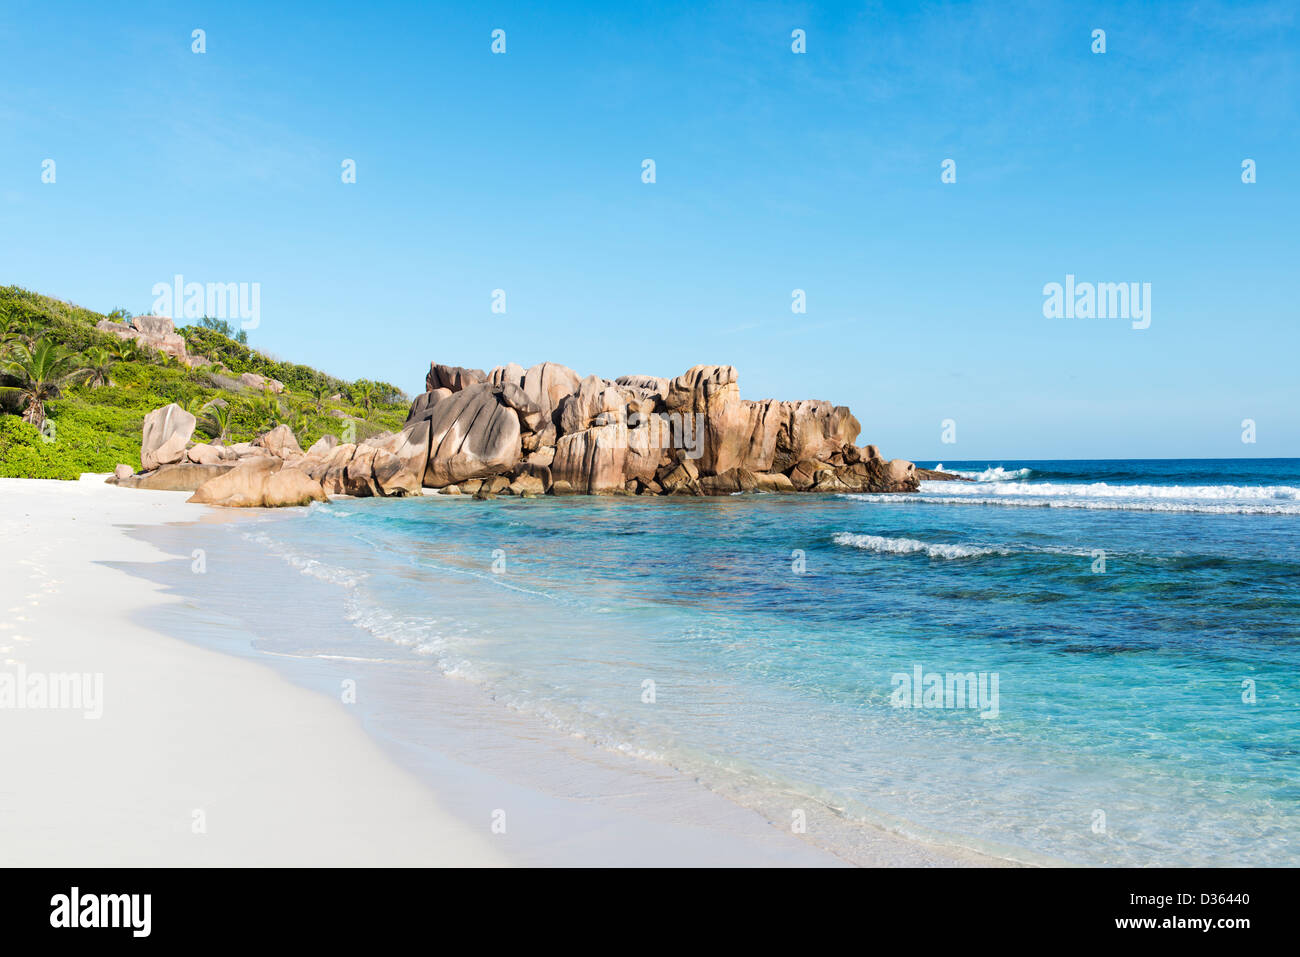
754,641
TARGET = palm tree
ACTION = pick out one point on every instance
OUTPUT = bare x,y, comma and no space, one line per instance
14,330
98,365
319,392
300,424
364,394
217,422
123,350
267,408
42,370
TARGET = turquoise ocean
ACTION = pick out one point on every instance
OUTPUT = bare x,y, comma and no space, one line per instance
1139,620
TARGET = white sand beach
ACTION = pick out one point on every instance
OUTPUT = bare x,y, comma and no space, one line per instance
198,758
203,758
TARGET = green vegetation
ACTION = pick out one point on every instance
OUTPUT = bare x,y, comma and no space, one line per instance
41,369
73,398
226,329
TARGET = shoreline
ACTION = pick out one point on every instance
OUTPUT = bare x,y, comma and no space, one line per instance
571,802
198,759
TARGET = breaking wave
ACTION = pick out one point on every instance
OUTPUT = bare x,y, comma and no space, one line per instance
1103,490
993,474
910,546
1206,499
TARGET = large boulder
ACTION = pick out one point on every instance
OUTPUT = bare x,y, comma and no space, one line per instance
511,373
649,384
472,434
579,410
332,472
804,474
594,460
811,430
280,441
526,486
359,476
323,446
865,475
260,382
772,482
151,332
541,458
782,434
259,483
455,378
390,478
713,393
698,387
531,416
765,420
289,487
158,326
679,479
547,383
422,405
899,476
844,426
205,454
646,451
177,477
244,450
167,432
241,486
410,446
121,330
728,483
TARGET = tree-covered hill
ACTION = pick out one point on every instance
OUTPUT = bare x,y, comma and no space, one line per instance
73,397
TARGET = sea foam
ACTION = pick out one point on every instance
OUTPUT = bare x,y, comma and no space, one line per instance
1202,499
994,474
910,546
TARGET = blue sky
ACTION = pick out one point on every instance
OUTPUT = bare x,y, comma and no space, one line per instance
775,171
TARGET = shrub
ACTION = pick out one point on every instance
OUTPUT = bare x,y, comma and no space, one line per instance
76,448
95,429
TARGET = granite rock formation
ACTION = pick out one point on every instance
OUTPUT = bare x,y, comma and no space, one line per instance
543,430
637,434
